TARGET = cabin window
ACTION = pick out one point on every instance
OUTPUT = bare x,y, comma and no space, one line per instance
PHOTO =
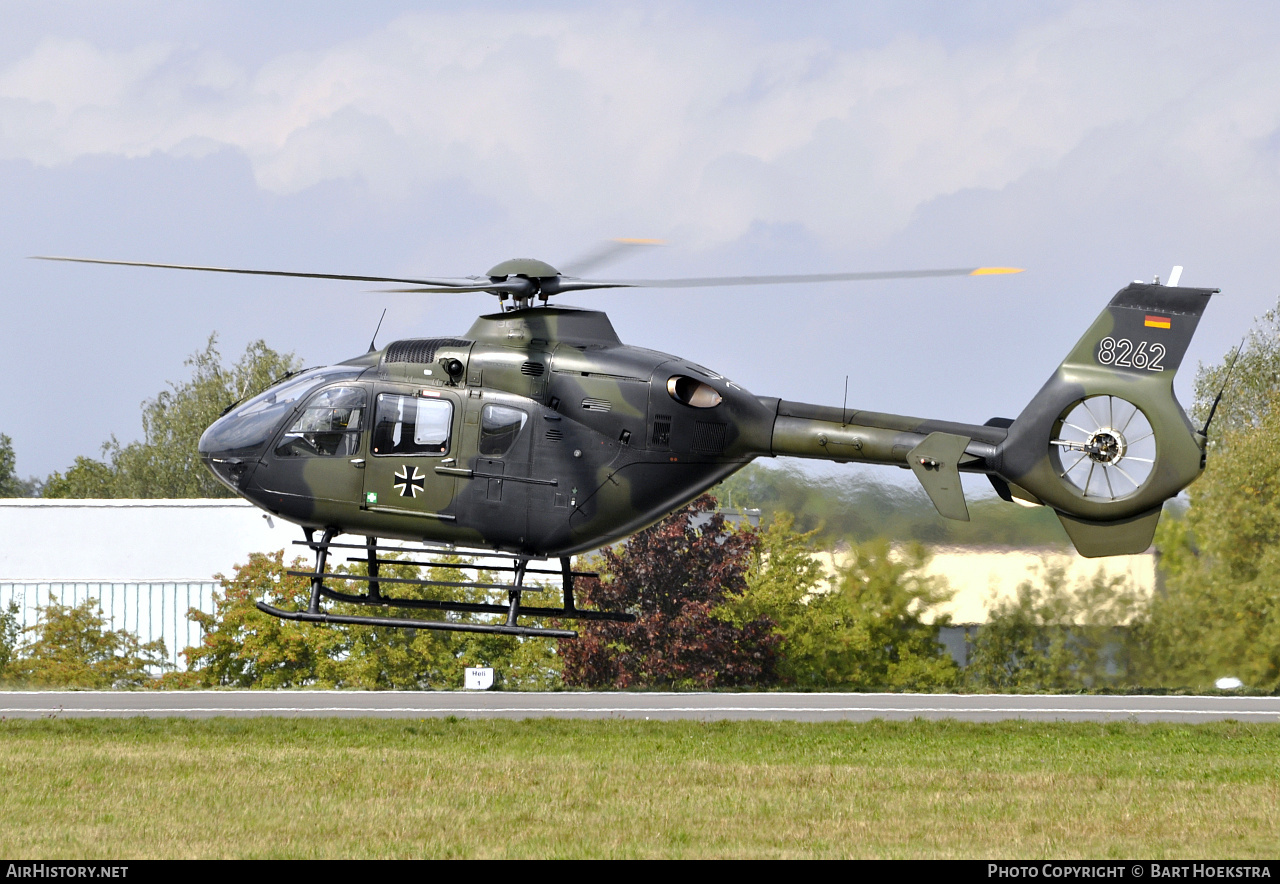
329,426
499,427
410,425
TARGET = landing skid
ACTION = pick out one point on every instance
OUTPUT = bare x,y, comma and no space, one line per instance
373,596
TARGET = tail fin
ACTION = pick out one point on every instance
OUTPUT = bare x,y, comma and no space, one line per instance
1105,441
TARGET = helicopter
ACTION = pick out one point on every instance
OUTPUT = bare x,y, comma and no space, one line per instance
538,435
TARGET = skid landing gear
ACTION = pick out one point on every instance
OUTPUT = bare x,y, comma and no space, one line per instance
375,583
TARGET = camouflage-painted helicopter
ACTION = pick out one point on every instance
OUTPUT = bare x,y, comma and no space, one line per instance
539,434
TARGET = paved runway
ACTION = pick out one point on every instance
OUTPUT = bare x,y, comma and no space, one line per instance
629,705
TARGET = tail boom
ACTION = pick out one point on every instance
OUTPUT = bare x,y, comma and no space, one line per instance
936,451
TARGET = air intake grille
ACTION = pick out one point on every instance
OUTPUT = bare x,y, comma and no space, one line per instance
533,369
708,438
419,350
554,435
590,404
661,430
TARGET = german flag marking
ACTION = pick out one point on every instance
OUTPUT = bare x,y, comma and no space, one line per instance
992,271
1157,321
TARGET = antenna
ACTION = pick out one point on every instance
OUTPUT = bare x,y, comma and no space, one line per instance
845,404
1213,410
372,346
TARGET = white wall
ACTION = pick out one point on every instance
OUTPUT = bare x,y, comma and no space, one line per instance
137,541
146,562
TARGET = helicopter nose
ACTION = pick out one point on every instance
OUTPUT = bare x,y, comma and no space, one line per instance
229,471
235,443
228,465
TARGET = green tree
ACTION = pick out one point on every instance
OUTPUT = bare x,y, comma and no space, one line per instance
8,481
783,584
1218,613
864,630
519,662
166,463
243,647
390,657
10,484
86,478
674,576
1053,636
1255,378
9,632
72,647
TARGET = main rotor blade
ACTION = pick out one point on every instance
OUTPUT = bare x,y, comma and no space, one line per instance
699,281
463,283
604,254
516,286
559,284
455,289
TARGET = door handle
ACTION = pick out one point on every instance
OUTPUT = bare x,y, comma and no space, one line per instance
358,463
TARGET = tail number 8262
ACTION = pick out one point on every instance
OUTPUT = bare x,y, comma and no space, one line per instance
1124,353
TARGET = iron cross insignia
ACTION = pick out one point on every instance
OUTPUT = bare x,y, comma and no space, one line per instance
410,483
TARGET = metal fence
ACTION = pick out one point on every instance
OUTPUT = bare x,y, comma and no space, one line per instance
149,610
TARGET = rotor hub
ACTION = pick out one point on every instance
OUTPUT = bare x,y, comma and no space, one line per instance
1107,446
528,267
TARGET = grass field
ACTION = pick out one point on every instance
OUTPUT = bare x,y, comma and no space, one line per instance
485,788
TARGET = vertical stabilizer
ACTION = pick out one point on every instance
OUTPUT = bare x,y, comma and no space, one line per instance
1105,441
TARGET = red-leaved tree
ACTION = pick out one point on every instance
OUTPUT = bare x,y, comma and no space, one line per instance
672,575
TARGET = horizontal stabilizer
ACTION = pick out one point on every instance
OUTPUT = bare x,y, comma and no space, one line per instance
936,463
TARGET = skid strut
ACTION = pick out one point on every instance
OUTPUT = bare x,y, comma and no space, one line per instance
376,583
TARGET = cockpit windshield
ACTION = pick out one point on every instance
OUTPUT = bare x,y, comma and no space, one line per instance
253,423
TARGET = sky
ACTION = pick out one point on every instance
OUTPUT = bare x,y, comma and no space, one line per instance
1091,143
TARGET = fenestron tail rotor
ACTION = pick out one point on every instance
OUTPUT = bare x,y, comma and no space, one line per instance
525,279
1104,447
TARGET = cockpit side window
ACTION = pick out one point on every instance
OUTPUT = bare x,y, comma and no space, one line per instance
329,426
499,427
411,425
256,421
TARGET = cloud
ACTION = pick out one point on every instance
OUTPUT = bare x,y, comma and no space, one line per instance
676,116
